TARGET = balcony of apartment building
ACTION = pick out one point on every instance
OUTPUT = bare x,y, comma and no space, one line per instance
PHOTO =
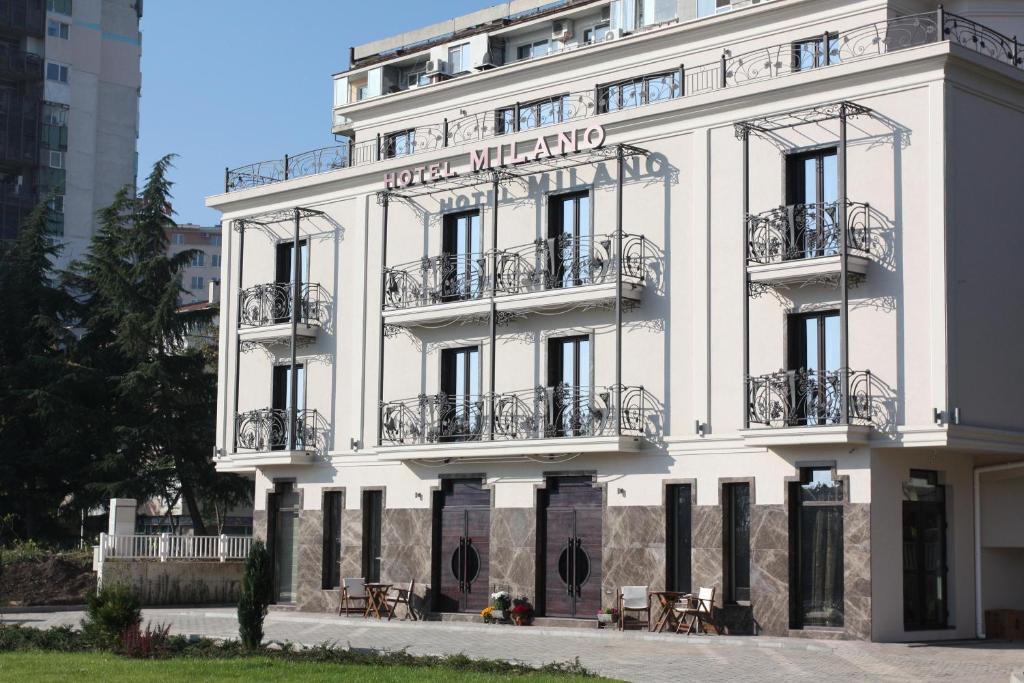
569,412
18,65
19,18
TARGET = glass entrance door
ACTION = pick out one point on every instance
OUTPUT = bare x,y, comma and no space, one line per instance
924,552
813,190
569,382
462,258
285,276
816,520
285,542
281,396
814,368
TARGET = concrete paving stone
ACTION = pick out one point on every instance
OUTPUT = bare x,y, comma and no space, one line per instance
632,656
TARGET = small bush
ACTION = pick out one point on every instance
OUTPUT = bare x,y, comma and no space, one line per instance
255,595
153,642
110,612
57,639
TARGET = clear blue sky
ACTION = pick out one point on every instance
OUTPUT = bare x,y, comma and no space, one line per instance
229,82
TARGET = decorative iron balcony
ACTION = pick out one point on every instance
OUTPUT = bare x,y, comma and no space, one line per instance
803,398
802,231
271,304
540,413
565,261
731,70
269,429
435,280
556,263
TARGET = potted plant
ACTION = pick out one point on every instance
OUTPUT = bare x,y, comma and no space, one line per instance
522,612
488,614
501,601
607,615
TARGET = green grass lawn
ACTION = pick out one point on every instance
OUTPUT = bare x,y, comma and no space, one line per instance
57,666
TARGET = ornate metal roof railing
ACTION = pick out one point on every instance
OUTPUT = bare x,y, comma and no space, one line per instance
803,397
801,231
267,429
730,70
271,304
561,411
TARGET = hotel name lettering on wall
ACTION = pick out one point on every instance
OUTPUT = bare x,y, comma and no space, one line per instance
501,156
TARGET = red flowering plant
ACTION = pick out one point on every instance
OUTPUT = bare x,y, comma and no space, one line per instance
522,611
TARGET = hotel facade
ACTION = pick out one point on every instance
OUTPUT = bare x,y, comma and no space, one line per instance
668,293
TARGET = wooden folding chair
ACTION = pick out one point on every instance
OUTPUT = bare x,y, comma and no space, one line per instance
634,599
701,614
404,596
352,591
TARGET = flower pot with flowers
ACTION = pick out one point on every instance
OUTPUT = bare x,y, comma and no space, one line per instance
607,615
522,612
501,601
488,614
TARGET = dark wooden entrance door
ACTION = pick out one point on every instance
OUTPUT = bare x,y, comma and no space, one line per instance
571,561
462,564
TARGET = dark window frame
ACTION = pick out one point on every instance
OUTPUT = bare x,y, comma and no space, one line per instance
513,115
797,504
736,543
825,45
604,91
679,537
333,509
938,503
372,509
390,143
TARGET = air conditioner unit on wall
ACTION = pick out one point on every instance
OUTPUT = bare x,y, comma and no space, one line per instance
612,34
436,66
561,29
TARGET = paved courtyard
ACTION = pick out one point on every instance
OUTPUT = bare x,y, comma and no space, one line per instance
631,656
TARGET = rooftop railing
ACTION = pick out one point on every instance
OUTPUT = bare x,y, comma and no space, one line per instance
730,70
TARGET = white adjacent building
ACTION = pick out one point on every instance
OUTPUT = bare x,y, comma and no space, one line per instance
676,294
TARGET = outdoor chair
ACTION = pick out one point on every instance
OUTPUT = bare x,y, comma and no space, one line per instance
404,596
634,599
700,615
353,596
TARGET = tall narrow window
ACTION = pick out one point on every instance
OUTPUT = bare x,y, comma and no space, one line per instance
812,192
570,242
283,520
736,540
816,52
281,391
678,535
460,404
569,387
285,275
462,263
814,366
816,552
331,571
373,509
924,552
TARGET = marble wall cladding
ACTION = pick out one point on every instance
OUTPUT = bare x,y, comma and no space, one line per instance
513,547
309,593
706,562
259,524
769,569
405,548
857,570
634,549
351,543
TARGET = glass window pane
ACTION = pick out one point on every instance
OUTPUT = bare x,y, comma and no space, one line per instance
821,565
832,358
583,377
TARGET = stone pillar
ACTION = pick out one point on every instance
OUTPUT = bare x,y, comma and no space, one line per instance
513,548
310,595
857,570
634,549
769,569
121,521
707,548
405,547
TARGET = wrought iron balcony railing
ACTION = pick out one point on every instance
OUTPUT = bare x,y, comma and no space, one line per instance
808,398
271,304
269,429
557,263
734,68
802,231
540,413
435,280
565,261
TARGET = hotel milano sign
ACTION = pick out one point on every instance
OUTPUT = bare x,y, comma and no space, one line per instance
500,156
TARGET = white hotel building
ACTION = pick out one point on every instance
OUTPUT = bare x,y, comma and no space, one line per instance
669,293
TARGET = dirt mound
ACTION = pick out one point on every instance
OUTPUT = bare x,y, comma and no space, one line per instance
55,580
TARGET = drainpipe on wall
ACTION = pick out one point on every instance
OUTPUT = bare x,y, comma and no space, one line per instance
979,611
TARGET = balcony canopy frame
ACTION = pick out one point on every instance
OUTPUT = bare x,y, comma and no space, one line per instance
496,178
506,175
764,127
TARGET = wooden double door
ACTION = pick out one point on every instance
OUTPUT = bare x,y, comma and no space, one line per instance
462,546
569,565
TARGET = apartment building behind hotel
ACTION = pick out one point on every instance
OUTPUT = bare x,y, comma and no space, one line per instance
668,293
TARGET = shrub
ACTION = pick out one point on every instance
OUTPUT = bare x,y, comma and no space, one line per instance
153,642
255,595
110,612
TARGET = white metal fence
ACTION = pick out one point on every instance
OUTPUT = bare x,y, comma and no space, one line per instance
168,547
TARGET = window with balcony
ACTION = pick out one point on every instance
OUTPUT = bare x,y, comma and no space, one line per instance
55,126
460,404
58,29
281,396
814,368
59,6
596,34
458,59
816,52
569,384
570,239
736,526
462,259
924,552
812,193
399,144
638,91
816,549
284,276
531,50
529,115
